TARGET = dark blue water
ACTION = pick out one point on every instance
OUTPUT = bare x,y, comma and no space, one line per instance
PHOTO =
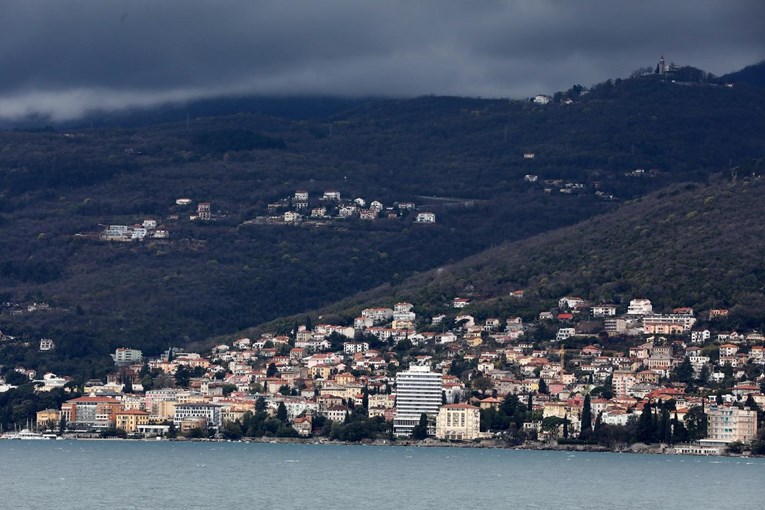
65,475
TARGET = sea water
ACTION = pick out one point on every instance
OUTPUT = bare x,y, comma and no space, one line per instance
66,475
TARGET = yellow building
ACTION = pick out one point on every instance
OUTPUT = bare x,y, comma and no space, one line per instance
130,420
460,422
48,419
165,409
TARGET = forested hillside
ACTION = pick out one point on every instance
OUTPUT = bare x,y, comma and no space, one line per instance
466,160
688,245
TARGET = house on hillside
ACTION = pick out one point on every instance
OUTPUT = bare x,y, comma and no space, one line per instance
425,217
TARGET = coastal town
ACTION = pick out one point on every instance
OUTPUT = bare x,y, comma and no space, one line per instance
606,375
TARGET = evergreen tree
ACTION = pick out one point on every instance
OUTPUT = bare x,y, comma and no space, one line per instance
182,377
509,405
420,431
530,403
127,384
271,370
665,426
751,404
565,427
586,425
696,423
260,405
597,431
308,323
683,372
443,397
704,374
646,429
281,413
543,387
365,397
679,432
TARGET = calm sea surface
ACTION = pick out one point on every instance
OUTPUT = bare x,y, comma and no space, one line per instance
64,475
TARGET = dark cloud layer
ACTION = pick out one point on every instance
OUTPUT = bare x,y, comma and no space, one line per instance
65,57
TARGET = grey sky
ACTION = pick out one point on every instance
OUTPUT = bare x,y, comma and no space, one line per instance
63,57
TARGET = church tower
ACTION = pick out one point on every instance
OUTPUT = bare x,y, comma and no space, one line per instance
662,68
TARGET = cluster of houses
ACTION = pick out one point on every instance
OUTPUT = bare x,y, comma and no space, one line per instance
323,370
331,205
137,232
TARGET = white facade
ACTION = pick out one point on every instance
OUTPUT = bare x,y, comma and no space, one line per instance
210,412
425,217
418,390
640,307
461,422
124,355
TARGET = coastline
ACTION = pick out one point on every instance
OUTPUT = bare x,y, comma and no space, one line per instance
637,448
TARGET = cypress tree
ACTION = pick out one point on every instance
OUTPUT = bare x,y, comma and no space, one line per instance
420,431
666,428
597,431
565,427
679,432
645,426
530,403
281,412
586,426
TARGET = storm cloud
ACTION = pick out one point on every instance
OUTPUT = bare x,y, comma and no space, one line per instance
66,57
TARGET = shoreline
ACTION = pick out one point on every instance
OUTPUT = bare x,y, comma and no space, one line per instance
638,448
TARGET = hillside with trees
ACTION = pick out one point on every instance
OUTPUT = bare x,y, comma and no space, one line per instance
695,245
466,160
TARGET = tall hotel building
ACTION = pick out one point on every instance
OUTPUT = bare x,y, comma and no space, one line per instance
418,390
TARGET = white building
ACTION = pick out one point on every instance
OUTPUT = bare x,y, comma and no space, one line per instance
210,412
425,217
126,356
460,422
699,337
292,217
604,311
418,391
640,307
